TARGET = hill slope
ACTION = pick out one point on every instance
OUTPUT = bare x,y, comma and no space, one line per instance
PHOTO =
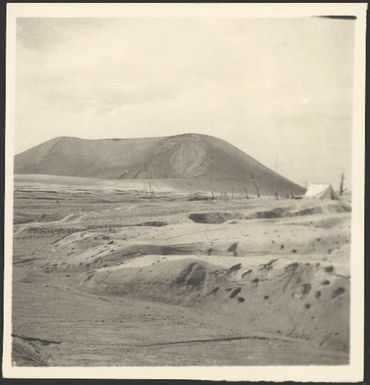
205,162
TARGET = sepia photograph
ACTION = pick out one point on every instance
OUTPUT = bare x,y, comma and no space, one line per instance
184,194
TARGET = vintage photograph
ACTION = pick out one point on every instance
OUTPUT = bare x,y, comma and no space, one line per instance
182,189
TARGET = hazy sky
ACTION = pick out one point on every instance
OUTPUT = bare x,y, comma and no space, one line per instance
276,88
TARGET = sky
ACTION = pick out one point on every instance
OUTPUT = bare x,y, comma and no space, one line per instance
278,89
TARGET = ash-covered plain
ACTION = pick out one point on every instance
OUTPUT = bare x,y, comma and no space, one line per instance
142,272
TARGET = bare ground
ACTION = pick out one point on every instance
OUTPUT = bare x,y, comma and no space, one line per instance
110,276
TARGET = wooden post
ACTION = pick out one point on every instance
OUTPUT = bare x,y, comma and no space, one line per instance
255,185
341,185
246,193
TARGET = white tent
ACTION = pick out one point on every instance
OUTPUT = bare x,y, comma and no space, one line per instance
320,191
